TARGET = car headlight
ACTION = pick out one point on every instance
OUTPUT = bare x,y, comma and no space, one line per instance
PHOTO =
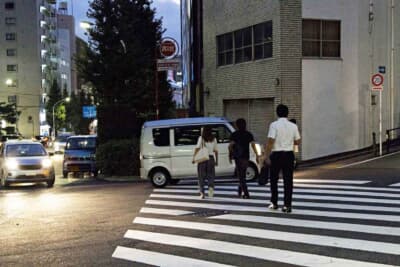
12,164
46,163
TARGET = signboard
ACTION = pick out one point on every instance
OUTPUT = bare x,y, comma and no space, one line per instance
168,64
89,112
169,48
382,69
377,82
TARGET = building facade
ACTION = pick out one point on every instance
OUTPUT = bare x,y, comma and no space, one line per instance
28,58
316,56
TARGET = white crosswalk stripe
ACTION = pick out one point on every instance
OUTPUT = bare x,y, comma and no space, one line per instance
335,223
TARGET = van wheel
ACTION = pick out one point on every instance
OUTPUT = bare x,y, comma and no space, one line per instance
159,177
251,172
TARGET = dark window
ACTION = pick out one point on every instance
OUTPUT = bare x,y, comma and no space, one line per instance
12,68
221,133
161,136
11,21
11,52
225,49
12,99
11,36
187,135
263,40
243,45
9,5
321,38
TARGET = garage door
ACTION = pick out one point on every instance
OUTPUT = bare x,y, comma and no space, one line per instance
258,113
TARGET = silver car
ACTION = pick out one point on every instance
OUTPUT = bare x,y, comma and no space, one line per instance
23,161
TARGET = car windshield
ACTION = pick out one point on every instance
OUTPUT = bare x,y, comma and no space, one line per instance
62,138
81,143
25,150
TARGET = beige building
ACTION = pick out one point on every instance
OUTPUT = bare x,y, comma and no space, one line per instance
28,58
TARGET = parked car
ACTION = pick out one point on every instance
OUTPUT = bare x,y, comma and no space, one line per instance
25,161
60,142
166,149
80,155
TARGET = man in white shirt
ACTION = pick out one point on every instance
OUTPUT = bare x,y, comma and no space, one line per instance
282,136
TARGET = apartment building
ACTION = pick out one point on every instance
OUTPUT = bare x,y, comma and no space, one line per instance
28,59
316,56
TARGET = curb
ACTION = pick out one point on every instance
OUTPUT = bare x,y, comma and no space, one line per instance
121,179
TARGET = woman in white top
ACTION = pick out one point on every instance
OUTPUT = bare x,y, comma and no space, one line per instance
206,169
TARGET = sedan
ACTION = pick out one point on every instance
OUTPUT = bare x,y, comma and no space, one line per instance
24,161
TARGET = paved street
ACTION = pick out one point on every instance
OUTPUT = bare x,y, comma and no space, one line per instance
341,217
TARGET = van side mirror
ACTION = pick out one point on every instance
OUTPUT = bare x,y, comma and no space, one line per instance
51,154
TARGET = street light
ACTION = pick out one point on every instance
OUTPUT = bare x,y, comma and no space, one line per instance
67,99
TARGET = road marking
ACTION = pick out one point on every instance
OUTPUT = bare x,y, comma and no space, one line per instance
361,228
397,184
165,211
321,186
368,160
270,254
297,211
295,180
298,203
160,259
321,240
194,189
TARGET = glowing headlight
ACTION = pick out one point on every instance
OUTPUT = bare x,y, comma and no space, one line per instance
258,149
46,163
12,164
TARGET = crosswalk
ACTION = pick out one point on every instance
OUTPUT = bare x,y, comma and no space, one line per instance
333,223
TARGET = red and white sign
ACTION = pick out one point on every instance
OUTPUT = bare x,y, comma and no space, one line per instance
169,48
168,64
377,82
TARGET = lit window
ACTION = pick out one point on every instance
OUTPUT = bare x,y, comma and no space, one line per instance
43,23
11,82
43,38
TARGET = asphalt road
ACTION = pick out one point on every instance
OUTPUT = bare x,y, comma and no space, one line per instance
344,216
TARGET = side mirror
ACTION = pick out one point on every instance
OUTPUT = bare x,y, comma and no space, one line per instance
51,154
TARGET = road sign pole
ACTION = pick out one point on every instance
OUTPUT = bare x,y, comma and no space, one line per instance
380,123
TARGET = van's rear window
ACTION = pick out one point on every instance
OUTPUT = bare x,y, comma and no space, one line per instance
161,136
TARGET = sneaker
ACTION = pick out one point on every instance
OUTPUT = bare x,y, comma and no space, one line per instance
286,209
201,195
246,196
211,192
273,206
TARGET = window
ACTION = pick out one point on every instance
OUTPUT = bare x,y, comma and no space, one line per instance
243,45
11,52
161,136
263,40
12,83
12,68
11,21
9,5
225,49
11,36
187,135
321,38
12,99
221,133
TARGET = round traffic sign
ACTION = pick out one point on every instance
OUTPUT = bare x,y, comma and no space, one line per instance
169,48
377,79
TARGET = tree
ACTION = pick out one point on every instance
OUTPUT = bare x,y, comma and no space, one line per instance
9,113
120,65
59,111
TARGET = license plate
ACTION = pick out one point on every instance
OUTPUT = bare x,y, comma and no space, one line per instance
74,168
31,173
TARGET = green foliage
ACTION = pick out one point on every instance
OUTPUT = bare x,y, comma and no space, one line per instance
120,66
118,157
8,112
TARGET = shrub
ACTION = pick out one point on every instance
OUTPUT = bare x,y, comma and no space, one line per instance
118,157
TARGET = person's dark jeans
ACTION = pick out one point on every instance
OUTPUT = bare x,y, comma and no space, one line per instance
282,160
241,168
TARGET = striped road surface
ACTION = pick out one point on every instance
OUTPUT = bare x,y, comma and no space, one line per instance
334,223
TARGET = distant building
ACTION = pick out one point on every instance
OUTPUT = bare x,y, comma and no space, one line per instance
28,59
316,56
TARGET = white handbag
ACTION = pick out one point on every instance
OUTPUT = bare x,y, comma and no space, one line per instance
202,155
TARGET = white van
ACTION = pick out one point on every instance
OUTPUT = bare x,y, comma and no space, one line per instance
166,149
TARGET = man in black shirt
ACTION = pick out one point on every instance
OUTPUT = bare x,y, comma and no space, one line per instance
239,151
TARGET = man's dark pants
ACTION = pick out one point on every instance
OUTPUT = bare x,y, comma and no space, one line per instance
241,168
282,160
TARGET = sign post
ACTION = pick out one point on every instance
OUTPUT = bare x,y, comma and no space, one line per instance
377,85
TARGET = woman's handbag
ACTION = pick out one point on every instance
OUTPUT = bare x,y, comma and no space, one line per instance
202,154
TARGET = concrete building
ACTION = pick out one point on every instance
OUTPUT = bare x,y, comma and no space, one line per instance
316,56
28,58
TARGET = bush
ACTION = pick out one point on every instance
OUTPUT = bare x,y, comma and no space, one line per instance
118,157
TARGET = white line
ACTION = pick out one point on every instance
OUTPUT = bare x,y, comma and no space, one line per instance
270,254
165,211
295,180
331,214
368,160
301,190
295,196
318,240
160,259
361,228
298,203
398,184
